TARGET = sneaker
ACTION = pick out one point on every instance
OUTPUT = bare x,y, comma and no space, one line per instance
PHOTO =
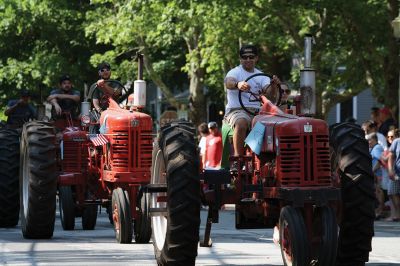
234,166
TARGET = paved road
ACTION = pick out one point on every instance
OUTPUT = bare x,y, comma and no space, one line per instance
231,247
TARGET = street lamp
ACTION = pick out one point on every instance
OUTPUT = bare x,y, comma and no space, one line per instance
396,33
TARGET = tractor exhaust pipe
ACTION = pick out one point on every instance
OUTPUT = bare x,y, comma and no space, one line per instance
307,81
139,86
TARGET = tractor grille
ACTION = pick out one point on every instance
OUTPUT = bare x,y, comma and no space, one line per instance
304,161
140,147
75,156
146,148
119,145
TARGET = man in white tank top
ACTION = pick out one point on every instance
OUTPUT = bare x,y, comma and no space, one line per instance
235,116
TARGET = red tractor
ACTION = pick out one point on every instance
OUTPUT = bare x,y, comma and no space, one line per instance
305,180
89,169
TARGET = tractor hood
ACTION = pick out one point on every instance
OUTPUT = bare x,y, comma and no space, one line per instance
121,119
279,126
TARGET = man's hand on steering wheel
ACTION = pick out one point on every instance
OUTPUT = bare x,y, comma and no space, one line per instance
272,91
243,86
275,82
101,83
111,88
273,88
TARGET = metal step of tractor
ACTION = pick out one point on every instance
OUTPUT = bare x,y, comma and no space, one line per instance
155,188
158,211
253,188
247,200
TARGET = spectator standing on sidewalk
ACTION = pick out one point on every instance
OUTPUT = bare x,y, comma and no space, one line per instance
371,127
375,116
203,133
380,174
386,117
394,174
213,152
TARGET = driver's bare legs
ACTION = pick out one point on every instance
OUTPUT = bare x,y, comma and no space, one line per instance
239,135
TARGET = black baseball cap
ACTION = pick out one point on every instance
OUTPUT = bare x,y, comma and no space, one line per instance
64,78
212,124
248,49
103,65
24,93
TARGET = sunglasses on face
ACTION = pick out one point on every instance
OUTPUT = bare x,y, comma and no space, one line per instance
245,57
104,70
287,91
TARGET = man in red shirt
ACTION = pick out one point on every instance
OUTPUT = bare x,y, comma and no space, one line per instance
213,153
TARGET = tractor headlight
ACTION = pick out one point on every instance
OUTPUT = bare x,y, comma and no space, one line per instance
85,120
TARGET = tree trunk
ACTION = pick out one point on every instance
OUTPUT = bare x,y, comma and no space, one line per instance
155,77
198,112
196,73
391,65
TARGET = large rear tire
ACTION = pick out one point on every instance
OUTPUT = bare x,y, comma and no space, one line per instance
38,180
293,237
352,162
67,207
9,164
122,216
176,163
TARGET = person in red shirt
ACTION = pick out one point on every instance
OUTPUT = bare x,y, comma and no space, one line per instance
213,153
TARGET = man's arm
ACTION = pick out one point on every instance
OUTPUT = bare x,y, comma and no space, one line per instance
73,97
57,107
232,83
105,87
11,108
376,166
96,105
391,165
271,90
391,159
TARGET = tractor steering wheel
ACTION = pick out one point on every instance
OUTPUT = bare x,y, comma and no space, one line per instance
120,93
256,97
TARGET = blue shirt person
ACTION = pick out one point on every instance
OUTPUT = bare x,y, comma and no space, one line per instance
65,99
20,110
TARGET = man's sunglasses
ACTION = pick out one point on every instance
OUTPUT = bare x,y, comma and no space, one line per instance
105,69
287,91
244,57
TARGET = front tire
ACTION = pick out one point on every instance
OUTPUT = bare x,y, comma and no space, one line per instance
293,237
122,216
176,163
9,164
352,161
89,217
325,224
142,225
38,180
67,207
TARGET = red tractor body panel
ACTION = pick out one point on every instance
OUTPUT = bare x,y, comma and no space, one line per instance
301,146
127,158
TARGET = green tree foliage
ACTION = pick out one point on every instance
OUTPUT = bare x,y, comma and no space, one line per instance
355,48
193,43
40,41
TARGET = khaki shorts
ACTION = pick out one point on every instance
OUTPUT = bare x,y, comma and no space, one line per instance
234,115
